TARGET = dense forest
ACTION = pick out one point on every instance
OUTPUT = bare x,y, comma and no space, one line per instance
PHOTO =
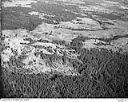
102,74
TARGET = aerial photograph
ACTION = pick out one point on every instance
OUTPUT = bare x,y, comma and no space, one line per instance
64,49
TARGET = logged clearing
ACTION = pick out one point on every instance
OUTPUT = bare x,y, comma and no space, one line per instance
64,48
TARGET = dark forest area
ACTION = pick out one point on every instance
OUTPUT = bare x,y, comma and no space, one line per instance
102,74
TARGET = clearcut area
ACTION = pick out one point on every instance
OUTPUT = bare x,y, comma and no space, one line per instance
64,48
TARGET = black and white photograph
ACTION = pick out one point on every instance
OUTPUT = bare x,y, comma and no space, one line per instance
64,49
